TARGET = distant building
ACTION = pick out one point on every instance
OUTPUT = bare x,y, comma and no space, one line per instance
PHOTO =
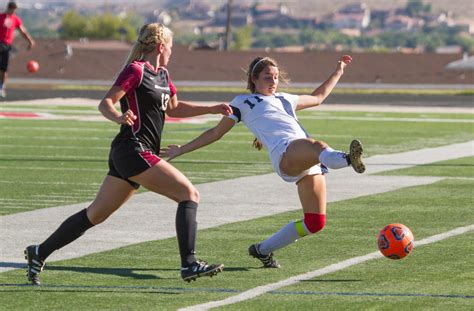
402,23
352,16
449,49
466,25
259,15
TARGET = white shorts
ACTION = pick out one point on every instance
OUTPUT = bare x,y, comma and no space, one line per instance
277,154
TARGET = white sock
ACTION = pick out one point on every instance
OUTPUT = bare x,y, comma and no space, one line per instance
333,158
285,236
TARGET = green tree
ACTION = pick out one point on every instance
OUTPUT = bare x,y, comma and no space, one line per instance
105,26
73,25
416,7
243,38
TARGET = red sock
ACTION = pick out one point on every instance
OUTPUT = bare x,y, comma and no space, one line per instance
314,222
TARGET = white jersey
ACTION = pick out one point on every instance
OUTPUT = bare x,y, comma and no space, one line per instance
272,119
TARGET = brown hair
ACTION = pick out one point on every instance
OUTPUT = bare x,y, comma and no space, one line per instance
149,37
257,66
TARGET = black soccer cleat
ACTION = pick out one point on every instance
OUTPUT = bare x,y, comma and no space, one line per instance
35,264
198,269
267,260
355,156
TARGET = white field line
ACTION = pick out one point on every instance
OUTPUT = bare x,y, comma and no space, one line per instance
82,157
84,185
52,147
61,129
16,147
213,173
62,197
260,290
201,120
38,168
87,102
82,138
30,200
388,119
66,138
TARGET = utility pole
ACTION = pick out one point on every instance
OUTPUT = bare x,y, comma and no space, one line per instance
228,26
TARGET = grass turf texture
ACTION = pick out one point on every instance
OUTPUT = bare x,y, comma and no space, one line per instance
144,276
59,162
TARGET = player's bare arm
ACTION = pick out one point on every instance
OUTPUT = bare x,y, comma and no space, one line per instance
206,138
26,35
322,92
107,107
181,109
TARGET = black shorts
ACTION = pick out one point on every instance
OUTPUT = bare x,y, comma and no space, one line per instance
128,158
4,56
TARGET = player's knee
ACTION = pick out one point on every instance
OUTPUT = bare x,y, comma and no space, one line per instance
314,222
320,145
192,194
96,218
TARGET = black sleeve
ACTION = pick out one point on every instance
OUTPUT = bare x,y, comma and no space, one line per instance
236,112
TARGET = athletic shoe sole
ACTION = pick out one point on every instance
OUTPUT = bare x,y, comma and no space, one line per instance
355,156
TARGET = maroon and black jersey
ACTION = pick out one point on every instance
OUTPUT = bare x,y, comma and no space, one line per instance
148,93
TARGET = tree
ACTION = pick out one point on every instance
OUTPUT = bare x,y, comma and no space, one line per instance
243,38
416,7
73,25
105,26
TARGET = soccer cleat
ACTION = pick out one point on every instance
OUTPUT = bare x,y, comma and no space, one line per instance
35,264
355,156
267,260
198,269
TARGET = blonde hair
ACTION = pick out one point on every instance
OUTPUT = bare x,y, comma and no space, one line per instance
257,66
149,37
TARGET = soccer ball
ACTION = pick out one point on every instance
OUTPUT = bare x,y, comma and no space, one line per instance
32,66
395,241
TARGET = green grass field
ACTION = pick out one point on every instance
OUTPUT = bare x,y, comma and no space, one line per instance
59,162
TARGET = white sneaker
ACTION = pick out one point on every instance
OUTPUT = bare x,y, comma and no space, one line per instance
3,92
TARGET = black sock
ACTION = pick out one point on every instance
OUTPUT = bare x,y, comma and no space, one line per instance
186,228
71,229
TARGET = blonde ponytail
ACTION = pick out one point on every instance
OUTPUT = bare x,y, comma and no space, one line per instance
149,37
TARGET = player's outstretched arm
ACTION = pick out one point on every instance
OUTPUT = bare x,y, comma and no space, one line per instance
206,138
320,93
26,35
180,109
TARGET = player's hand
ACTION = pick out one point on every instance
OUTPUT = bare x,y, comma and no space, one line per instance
257,144
223,109
343,62
31,45
171,152
127,118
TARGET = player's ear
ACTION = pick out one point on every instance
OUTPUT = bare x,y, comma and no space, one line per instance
160,47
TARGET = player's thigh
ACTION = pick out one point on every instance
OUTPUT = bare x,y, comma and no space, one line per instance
165,179
300,155
112,194
312,193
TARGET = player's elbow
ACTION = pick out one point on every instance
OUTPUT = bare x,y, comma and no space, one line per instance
215,134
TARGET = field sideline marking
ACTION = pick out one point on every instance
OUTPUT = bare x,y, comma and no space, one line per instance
260,290
168,290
